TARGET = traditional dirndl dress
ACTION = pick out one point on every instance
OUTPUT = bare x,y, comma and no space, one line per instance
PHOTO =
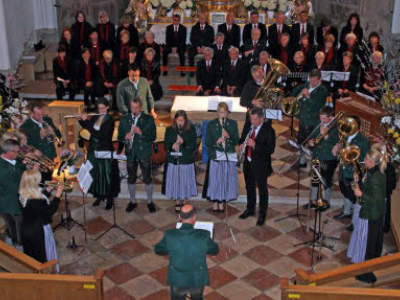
359,237
180,181
223,184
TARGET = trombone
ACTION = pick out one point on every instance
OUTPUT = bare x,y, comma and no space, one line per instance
51,136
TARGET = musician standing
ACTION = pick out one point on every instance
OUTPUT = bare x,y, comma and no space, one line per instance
323,152
137,131
40,131
11,170
105,171
180,143
313,98
258,143
346,173
222,138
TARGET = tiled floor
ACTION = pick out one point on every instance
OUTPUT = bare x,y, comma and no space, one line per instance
248,267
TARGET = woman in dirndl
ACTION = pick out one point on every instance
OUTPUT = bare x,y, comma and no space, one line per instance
221,183
367,238
105,173
37,212
180,144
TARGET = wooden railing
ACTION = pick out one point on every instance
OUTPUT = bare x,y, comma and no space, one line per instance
14,261
51,287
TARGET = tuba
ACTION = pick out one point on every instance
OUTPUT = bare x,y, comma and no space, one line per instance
269,95
348,154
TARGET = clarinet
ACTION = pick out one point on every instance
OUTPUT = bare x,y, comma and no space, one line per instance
241,154
177,137
129,143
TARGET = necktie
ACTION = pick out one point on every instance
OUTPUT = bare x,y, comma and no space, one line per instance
255,45
232,65
208,66
202,27
176,32
279,34
254,26
219,48
303,29
229,28
252,137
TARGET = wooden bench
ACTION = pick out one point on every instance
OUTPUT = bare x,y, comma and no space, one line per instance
51,286
164,68
182,88
14,261
185,69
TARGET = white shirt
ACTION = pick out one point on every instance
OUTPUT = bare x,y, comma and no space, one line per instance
233,62
176,28
350,138
136,118
255,26
208,63
311,89
13,162
38,123
134,83
228,27
202,27
279,27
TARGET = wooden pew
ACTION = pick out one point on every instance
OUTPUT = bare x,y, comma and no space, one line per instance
290,292
386,269
185,69
164,68
51,287
14,261
182,88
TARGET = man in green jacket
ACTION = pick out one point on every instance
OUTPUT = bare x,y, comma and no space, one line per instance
313,98
11,170
132,87
137,131
187,249
39,129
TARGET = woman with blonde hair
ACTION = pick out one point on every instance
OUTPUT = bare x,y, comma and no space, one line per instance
368,217
222,137
37,211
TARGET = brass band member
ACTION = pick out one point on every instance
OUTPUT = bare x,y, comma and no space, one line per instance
346,173
37,211
180,143
367,238
105,171
222,138
11,169
138,132
41,130
323,152
258,139
314,96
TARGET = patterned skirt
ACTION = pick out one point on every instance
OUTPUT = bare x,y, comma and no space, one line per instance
50,245
180,182
223,182
359,237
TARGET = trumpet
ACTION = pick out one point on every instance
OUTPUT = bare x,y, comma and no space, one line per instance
45,164
68,185
51,136
79,115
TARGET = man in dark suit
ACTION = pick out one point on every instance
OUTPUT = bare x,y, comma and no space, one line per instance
259,146
187,249
302,27
208,74
275,30
220,49
175,42
262,61
231,31
254,46
202,35
252,25
234,74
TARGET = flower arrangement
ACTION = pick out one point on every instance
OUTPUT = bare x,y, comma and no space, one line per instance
167,4
186,4
391,136
71,157
268,5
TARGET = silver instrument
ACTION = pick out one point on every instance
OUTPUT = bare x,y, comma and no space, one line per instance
89,115
129,142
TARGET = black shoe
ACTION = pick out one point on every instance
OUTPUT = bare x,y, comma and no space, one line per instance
261,220
165,73
176,208
97,202
324,208
151,207
109,203
367,278
342,216
131,206
298,166
182,74
247,213
350,228
306,206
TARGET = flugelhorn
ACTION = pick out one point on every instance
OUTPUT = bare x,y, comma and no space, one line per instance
28,155
51,135
68,185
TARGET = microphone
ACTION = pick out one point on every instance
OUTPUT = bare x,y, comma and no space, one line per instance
62,167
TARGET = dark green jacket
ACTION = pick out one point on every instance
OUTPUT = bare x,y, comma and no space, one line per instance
214,132
126,92
9,186
187,148
363,143
187,248
323,151
373,196
142,143
32,130
309,108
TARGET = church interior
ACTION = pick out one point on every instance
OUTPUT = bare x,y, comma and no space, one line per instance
270,126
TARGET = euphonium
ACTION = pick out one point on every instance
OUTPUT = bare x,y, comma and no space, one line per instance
68,185
347,153
278,69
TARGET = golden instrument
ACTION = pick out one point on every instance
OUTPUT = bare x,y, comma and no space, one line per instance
68,185
291,105
45,164
347,153
317,179
318,140
51,136
267,94
79,115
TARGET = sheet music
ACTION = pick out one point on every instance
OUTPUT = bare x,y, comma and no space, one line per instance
340,76
84,178
273,114
213,102
326,76
209,226
107,155
366,96
221,156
